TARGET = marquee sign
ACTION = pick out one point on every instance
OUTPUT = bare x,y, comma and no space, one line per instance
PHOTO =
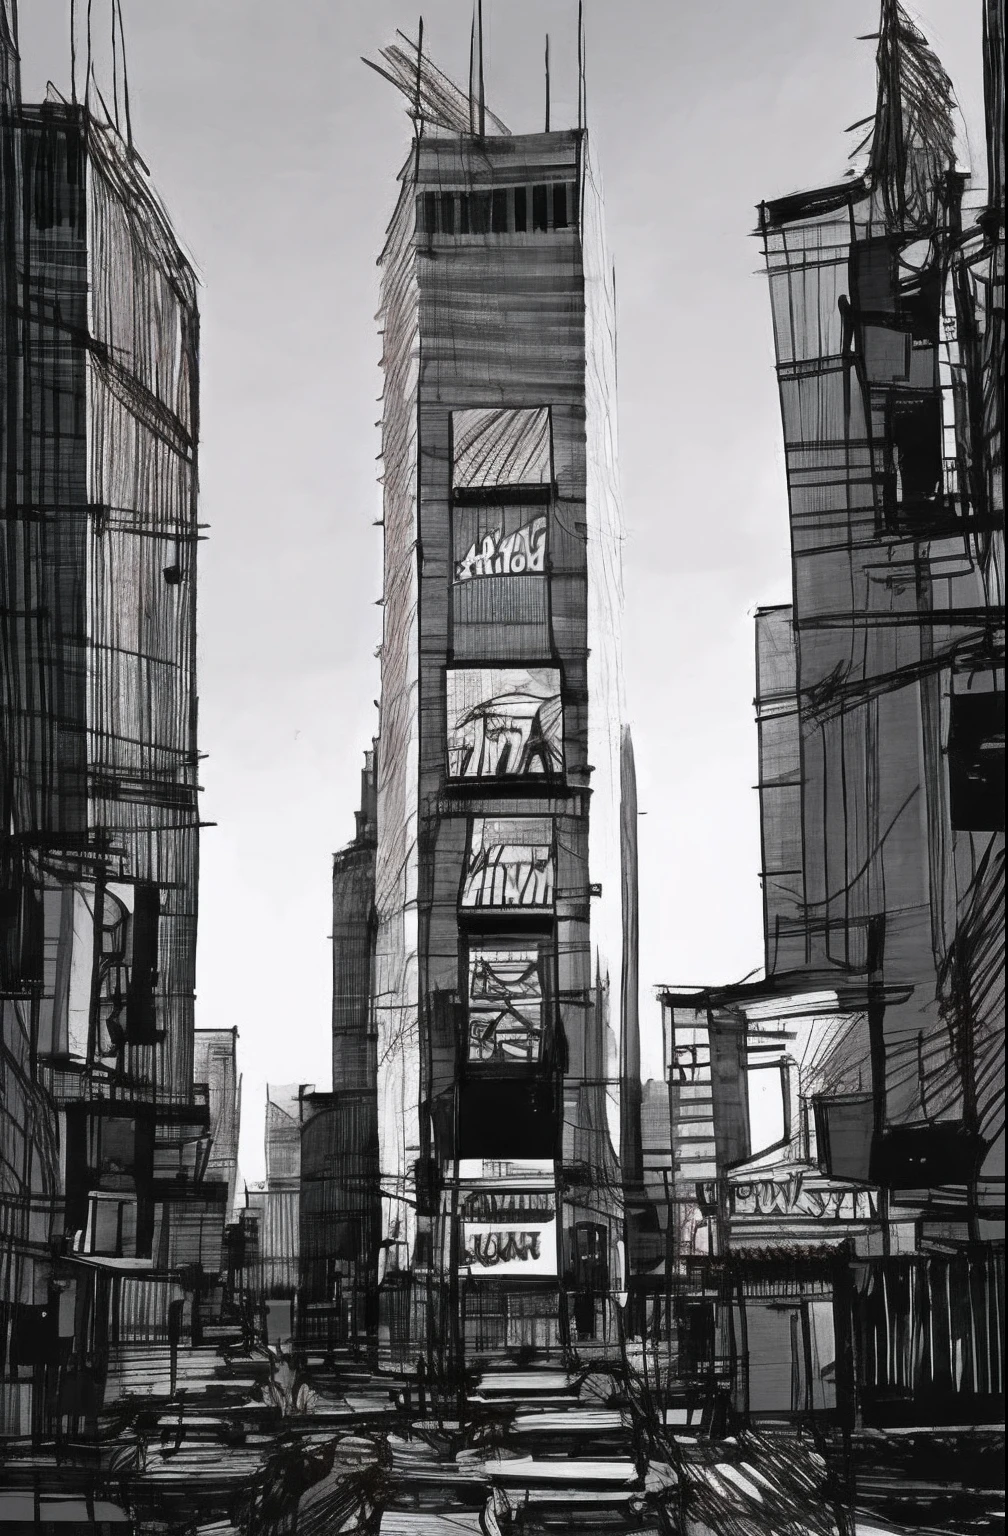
493,1249
796,1197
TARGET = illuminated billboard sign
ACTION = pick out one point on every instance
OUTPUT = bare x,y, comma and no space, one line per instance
504,722
494,446
525,1250
505,1002
510,863
520,553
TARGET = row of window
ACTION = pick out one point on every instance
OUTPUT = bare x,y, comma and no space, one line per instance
538,209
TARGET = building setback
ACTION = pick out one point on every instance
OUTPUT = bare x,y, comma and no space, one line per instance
498,873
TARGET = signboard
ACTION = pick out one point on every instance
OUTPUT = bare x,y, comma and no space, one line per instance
510,863
797,1197
520,553
504,722
494,446
505,1003
524,1250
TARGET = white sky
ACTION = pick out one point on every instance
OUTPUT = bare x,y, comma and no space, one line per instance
276,152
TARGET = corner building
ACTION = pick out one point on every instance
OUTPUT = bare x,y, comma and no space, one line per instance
498,926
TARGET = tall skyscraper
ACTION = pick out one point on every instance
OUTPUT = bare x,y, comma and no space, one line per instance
98,759
883,776
499,931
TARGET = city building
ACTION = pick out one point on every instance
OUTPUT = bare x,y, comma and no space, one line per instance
107,1220
837,1127
499,934
276,1201
340,1213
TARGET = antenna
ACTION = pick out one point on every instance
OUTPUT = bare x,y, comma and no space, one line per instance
115,68
87,77
419,68
472,55
73,52
122,45
482,90
580,60
547,85
615,323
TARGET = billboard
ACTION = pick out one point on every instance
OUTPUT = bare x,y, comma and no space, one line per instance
504,722
505,1002
509,863
498,553
523,1251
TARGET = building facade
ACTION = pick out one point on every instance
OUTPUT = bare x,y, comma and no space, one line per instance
499,935
837,1128
109,1205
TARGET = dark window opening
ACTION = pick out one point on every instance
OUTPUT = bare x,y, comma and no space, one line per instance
696,1338
560,206
140,1010
520,210
976,757
479,212
430,212
540,216
914,467
464,214
499,211
920,307
447,213
874,264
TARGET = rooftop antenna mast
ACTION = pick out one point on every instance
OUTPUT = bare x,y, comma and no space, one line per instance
73,52
472,62
547,85
126,105
482,90
417,113
580,63
115,66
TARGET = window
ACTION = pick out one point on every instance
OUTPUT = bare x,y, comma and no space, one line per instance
767,1085
913,480
498,211
430,213
874,269
479,213
976,757
140,1007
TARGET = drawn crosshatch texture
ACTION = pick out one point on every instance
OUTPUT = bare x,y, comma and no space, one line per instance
496,1278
